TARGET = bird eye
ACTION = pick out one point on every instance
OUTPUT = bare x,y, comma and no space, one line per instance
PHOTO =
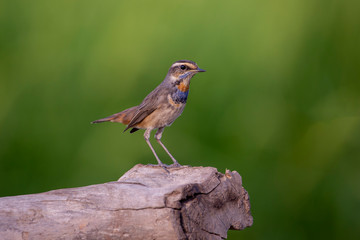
183,67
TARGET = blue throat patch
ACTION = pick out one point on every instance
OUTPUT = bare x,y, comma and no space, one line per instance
179,96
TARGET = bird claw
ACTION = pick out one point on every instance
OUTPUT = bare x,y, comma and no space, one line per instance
175,165
164,166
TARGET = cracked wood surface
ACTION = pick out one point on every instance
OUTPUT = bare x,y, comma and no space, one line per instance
145,203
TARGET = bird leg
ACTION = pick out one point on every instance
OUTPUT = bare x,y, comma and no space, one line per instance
147,136
158,136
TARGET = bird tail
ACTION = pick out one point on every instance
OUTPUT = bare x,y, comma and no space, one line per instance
123,117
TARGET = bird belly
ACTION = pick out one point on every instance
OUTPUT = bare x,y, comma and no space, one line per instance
162,117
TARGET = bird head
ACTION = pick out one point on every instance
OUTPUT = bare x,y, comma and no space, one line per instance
182,71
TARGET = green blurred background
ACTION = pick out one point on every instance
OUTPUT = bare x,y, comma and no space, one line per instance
279,102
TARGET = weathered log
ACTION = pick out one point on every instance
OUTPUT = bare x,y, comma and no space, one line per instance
145,203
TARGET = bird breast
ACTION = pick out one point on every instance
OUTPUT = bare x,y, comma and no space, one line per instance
164,116
179,96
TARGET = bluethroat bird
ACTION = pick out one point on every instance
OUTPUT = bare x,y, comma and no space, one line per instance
161,107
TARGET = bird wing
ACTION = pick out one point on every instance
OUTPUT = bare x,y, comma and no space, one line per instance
148,105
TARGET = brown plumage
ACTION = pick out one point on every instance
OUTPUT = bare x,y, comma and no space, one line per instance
123,117
161,107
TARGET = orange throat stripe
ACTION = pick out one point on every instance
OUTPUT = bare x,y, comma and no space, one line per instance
183,87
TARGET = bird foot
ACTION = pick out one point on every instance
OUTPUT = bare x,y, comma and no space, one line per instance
164,166
175,165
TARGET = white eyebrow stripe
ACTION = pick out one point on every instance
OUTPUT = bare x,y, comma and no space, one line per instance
184,63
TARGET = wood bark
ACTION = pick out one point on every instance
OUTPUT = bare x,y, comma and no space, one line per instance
145,203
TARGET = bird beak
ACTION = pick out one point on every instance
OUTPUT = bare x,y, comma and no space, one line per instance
200,70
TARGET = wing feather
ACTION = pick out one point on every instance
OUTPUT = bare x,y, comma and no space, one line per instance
151,102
